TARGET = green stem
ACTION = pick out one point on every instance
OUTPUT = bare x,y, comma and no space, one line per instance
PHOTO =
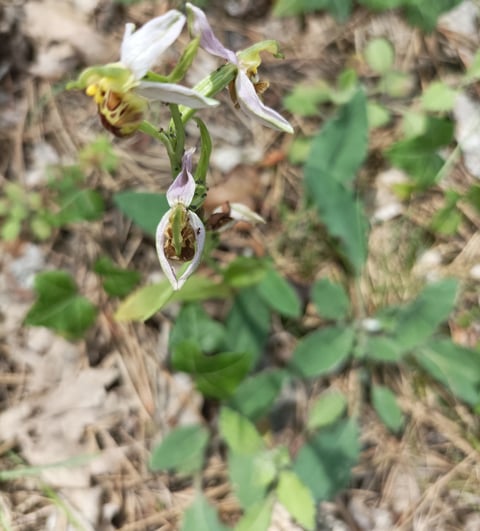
210,86
178,133
151,130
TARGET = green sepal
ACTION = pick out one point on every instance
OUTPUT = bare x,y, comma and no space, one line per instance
250,57
120,78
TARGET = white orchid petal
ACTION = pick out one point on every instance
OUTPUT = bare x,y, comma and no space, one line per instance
171,93
182,189
141,49
253,106
165,264
208,41
241,212
199,229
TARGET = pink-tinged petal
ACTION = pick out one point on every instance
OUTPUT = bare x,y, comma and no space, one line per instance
199,229
182,189
171,93
141,49
208,41
253,106
165,264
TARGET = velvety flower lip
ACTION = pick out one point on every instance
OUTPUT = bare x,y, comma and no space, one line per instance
190,229
247,62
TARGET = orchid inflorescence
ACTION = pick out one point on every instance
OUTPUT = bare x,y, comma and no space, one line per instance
122,92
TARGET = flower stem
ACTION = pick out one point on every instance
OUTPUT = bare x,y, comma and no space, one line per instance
151,130
178,134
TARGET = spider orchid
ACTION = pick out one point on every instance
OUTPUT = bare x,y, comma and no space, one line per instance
118,89
247,86
180,234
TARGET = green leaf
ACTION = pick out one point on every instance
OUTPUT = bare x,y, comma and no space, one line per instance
330,299
297,498
383,349
239,433
340,9
145,209
257,517
378,115
336,154
454,366
381,5
299,150
341,146
418,320
255,395
424,14
244,272
218,375
279,295
305,98
418,156
248,483
322,351
248,323
386,406
59,307
181,450
326,409
201,516
438,97
380,55
116,281
150,299
193,323
79,205
396,84
447,219
324,463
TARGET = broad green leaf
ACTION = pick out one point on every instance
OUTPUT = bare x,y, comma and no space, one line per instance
377,115
383,349
116,280
217,375
382,5
193,323
257,517
250,475
386,406
447,219
379,54
341,146
148,300
396,84
336,154
454,366
425,14
201,516
255,395
305,98
181,450
299,150
145,209
414,123
239,433
248,323
244,272
340,9
322,351
330,299
418,320
59,307
79,205
279,294
326,409
418,156
438,97
297,498
324,463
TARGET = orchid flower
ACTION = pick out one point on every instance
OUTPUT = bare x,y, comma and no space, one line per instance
245,88
180,234
117,88
226,215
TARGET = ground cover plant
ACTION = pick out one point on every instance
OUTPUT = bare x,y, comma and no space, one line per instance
240,275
